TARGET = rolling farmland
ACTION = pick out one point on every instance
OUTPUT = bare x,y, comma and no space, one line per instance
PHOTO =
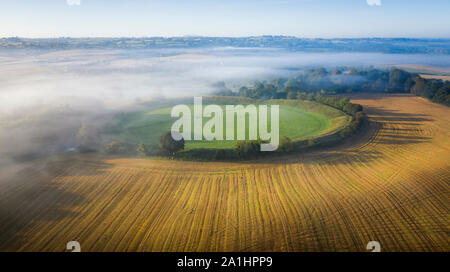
391,184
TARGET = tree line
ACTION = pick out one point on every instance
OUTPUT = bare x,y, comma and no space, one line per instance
252,149
307,83
89,139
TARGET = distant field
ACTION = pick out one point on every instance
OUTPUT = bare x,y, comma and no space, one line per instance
390,184
298,120
444,78
425,69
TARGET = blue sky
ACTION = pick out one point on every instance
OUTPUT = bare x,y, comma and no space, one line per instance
302,18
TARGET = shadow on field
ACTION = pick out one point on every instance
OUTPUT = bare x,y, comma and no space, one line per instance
395,139
32,195
400,120
398,128
374,96
384,127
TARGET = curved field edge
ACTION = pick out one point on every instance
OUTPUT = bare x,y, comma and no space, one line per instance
339,121
329,120
295,123
391,186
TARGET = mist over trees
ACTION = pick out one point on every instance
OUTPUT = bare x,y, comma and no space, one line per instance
45,104
88,138
309,82
170,145
113,147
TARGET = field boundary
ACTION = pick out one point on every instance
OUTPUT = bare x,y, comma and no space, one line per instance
340,121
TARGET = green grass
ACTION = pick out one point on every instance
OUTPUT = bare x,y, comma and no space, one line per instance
298,120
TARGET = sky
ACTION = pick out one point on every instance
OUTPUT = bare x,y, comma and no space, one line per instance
237,18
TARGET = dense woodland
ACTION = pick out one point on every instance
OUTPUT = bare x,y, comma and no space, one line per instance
313,82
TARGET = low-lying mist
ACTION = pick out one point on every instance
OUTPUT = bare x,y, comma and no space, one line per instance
45,96
94,78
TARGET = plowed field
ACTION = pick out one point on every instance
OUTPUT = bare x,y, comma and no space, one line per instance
389,184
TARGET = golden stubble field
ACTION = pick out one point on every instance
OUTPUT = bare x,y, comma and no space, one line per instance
391,184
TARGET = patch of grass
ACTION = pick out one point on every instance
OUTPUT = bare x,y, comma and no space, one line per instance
298,120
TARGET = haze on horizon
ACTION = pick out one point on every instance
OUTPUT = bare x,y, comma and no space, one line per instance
301,18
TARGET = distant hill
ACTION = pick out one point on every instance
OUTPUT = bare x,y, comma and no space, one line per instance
380,45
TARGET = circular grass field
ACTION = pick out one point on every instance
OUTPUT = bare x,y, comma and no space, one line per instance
298,120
